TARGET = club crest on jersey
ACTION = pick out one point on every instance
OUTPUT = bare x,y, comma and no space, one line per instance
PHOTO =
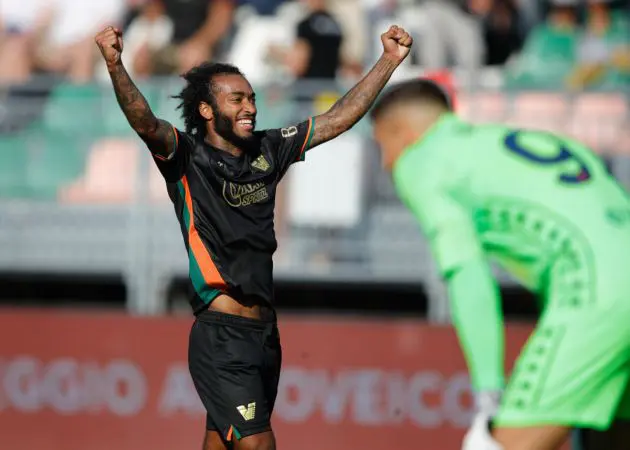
261,164
238,195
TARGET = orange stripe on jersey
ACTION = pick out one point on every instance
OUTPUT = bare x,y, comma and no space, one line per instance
307,139
176,140
210,273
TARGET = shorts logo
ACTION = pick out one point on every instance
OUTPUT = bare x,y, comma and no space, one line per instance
248,413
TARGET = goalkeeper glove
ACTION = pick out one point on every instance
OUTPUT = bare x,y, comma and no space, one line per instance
478,436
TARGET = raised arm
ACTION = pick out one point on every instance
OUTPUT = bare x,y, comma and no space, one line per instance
349,109
158,134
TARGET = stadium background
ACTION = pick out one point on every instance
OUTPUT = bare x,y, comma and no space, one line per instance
94,320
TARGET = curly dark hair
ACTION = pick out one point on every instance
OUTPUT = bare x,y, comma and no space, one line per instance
200,88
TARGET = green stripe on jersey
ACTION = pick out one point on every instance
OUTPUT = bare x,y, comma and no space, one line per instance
205,292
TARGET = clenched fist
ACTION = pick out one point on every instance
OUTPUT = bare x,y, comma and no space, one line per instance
110,44
396,43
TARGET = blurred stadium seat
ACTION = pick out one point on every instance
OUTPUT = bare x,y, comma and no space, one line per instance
601,121
545,111
484,106
110,174
13,167
54,160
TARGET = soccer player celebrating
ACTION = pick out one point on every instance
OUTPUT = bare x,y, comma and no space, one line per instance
546,210
221,176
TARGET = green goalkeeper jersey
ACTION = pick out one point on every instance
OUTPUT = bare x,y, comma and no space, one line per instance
543,207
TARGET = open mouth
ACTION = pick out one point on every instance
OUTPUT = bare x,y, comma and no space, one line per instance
245,124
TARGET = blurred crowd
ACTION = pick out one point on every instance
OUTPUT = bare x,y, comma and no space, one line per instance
540,43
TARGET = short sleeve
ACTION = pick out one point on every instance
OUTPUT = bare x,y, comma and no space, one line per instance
424,186
304,30
290,144
174,167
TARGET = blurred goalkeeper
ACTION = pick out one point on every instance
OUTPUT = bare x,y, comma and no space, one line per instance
545,209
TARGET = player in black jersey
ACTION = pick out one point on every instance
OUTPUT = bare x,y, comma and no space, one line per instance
222,175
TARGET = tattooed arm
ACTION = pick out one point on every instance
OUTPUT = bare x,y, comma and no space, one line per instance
158,134
348,110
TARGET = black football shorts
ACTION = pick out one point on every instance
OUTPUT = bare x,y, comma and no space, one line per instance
235,365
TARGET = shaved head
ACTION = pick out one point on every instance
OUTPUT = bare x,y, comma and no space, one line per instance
404,113
421,93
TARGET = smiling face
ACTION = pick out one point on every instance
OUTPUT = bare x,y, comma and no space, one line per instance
232,115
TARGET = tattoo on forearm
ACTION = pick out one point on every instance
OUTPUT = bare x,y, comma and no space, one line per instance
349,109
159,134
132,102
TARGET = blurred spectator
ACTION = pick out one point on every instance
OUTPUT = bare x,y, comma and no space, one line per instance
314,60
262,7
603,49
67,46
353,21
254,34
20,24
52,36
449,34
316,53
150,32
502,29
549,54
530,12
380,14
196,28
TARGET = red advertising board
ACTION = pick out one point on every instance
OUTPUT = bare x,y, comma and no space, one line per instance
102,381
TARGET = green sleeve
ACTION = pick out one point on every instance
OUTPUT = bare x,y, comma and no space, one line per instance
428,187
425,185
478,319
